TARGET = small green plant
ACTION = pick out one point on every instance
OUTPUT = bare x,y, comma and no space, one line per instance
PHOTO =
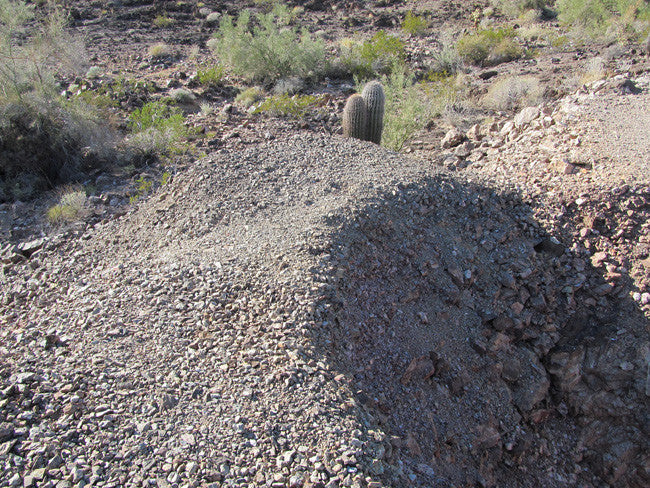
268,49
69,207
406,109
211,77
156,115
163,21
165,178
292,106
414,25
489,47
374,56
157,128
143,188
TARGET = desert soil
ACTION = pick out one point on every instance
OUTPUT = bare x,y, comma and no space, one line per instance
298,309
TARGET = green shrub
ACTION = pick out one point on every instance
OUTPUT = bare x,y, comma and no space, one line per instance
157,128
284,105
269,49
414,25
406,109
211,77
374,56
597,17
489,47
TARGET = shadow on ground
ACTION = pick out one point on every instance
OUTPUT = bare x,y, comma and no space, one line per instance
487,351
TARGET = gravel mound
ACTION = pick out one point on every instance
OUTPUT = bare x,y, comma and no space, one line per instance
315,312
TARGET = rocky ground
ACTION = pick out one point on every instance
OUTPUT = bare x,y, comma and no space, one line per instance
296,309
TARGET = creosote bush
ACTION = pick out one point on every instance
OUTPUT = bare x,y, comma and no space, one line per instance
406,109
266,48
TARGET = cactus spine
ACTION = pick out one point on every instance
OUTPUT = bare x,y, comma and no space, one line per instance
373,95
355,118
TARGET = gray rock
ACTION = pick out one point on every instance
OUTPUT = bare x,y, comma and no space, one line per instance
526,116
452,139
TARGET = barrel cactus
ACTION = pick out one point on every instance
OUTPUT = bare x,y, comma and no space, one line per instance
355,118
373,95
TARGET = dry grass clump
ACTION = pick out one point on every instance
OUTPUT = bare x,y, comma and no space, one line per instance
159,50
513,92
594,70
69,208
249,96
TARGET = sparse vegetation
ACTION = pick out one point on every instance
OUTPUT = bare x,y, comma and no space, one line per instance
42,135
414,24
372,57
489,47
293,106
268,49
598,18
